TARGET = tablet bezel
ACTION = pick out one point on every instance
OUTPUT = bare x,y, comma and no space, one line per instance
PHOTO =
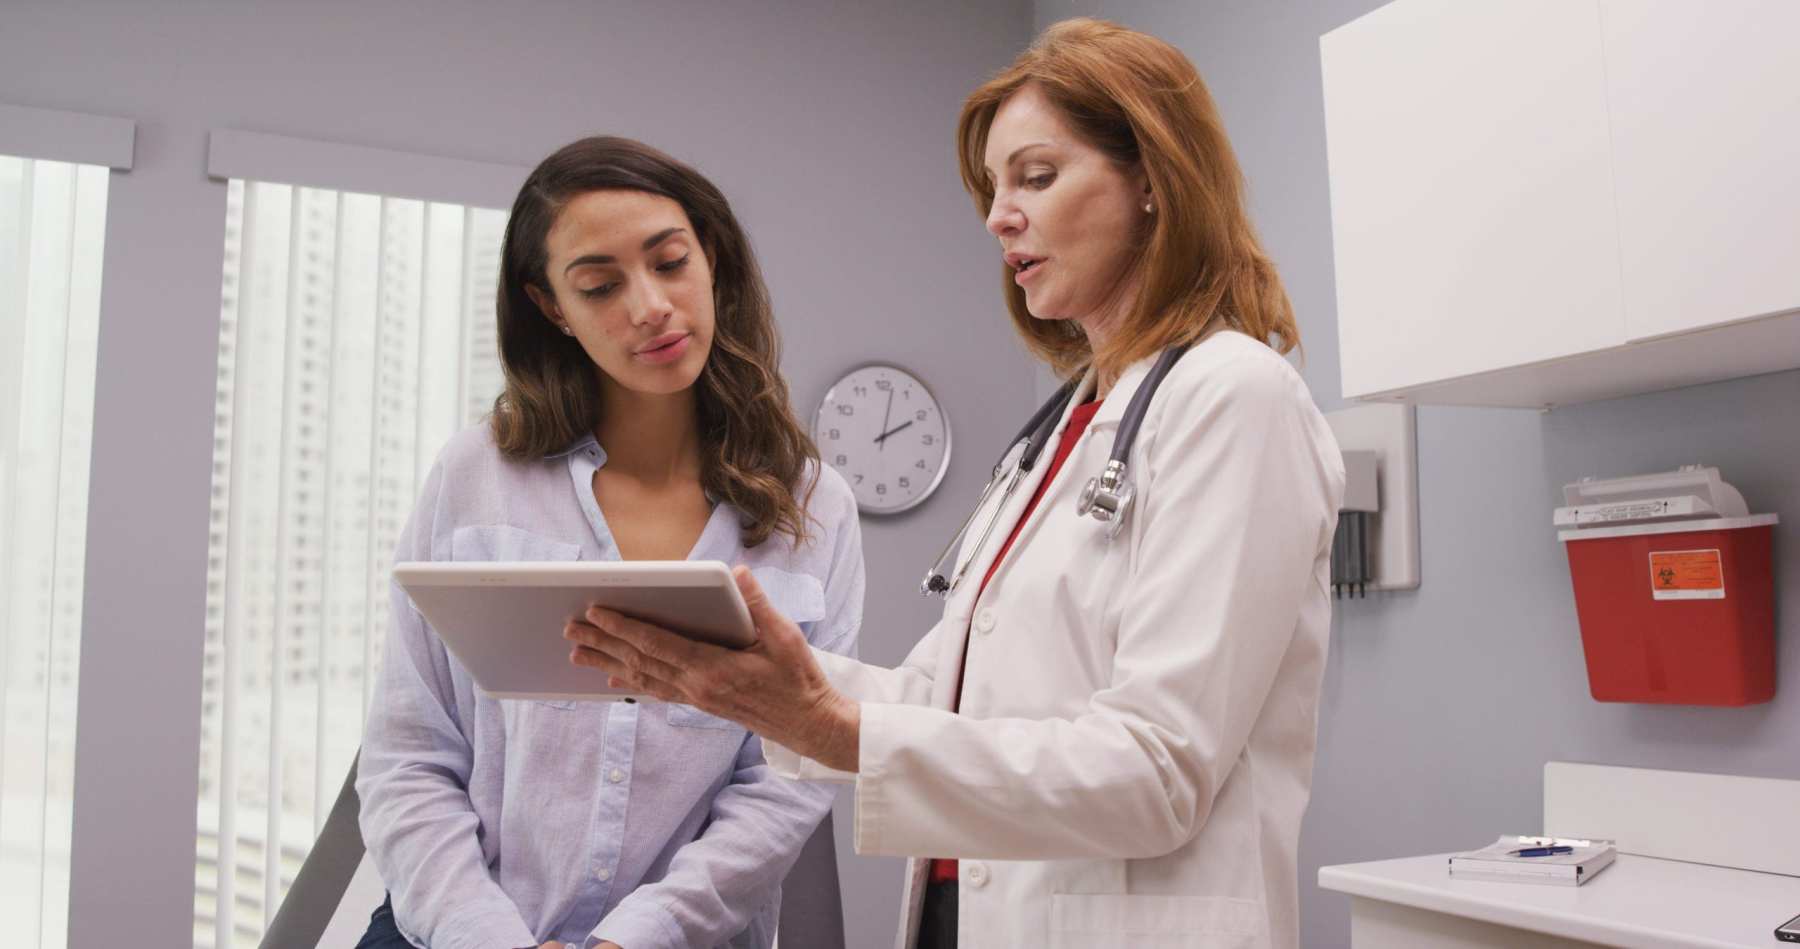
469,604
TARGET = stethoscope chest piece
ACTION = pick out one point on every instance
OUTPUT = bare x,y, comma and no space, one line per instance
1107,498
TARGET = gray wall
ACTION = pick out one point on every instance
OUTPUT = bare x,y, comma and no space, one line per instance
829,125
830,128
1442,705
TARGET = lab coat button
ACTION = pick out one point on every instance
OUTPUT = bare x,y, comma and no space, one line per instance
616,776
984,621
975,874
604,875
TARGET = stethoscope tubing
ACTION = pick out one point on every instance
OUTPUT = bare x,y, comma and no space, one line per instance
1034,436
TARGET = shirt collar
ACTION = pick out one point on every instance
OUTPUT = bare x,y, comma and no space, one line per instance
1113,408
586,441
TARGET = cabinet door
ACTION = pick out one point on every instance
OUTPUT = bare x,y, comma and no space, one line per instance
1705,108
1471,190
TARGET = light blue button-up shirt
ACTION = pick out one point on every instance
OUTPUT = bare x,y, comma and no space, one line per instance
500,822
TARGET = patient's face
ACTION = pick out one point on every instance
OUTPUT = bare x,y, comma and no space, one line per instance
632,281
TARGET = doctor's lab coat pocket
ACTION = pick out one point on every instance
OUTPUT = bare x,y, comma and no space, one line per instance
481,543
797,596
1131,921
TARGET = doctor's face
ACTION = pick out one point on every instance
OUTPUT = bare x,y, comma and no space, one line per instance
628,276
1068,217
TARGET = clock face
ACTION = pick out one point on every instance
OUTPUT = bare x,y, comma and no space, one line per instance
885,433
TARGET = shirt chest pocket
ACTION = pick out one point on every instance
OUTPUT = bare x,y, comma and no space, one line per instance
490,543
499,542
797,596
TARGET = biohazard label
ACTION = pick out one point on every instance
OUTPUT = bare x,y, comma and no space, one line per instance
1686,575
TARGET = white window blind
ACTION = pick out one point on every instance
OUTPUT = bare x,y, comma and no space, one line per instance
52,228
356,334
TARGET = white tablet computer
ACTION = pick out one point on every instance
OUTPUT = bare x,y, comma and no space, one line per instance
504,621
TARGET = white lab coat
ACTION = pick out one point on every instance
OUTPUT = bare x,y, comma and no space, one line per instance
1135,743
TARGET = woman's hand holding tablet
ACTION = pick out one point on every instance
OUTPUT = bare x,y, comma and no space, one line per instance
644,658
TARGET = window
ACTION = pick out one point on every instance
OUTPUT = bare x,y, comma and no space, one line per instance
356,335
52,227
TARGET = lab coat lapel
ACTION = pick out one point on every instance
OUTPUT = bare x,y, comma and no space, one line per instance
1110,413
971,565
1003,509
961,602
1105,420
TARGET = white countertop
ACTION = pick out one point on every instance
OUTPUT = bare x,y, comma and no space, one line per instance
1638,901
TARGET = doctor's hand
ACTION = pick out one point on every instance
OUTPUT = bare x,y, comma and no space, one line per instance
774,687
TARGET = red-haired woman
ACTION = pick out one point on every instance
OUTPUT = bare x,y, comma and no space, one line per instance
1113,724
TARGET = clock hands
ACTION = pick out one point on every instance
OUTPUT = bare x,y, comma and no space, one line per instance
884,419
881,439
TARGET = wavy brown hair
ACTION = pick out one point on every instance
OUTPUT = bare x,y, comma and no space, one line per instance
1141,103
753,452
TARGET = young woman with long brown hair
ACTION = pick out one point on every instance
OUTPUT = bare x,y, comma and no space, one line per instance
643,419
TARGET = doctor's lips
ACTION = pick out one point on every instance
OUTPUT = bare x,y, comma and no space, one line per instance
1023,265
665,348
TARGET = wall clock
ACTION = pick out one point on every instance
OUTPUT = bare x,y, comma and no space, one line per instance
884,431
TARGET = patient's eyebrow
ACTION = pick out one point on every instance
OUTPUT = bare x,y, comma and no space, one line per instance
649,242
661,236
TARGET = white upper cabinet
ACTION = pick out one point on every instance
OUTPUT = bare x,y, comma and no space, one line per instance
1705,106
1472,215
1537,202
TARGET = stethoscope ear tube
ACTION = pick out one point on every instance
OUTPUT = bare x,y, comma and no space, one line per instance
935,582
1107,498
1140,401
1042,422
1033,437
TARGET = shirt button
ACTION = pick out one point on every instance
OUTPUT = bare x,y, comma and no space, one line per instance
616,776
604,875
975,874
984,621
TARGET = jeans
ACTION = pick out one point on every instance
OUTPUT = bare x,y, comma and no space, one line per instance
383,934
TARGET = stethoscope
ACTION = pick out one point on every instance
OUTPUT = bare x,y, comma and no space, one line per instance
1106,498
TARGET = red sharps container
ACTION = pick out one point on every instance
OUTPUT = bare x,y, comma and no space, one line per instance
1674,588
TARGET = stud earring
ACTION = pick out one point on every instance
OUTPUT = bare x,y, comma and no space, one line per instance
567,331
1149,208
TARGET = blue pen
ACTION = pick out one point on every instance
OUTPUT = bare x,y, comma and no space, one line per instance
1540,851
